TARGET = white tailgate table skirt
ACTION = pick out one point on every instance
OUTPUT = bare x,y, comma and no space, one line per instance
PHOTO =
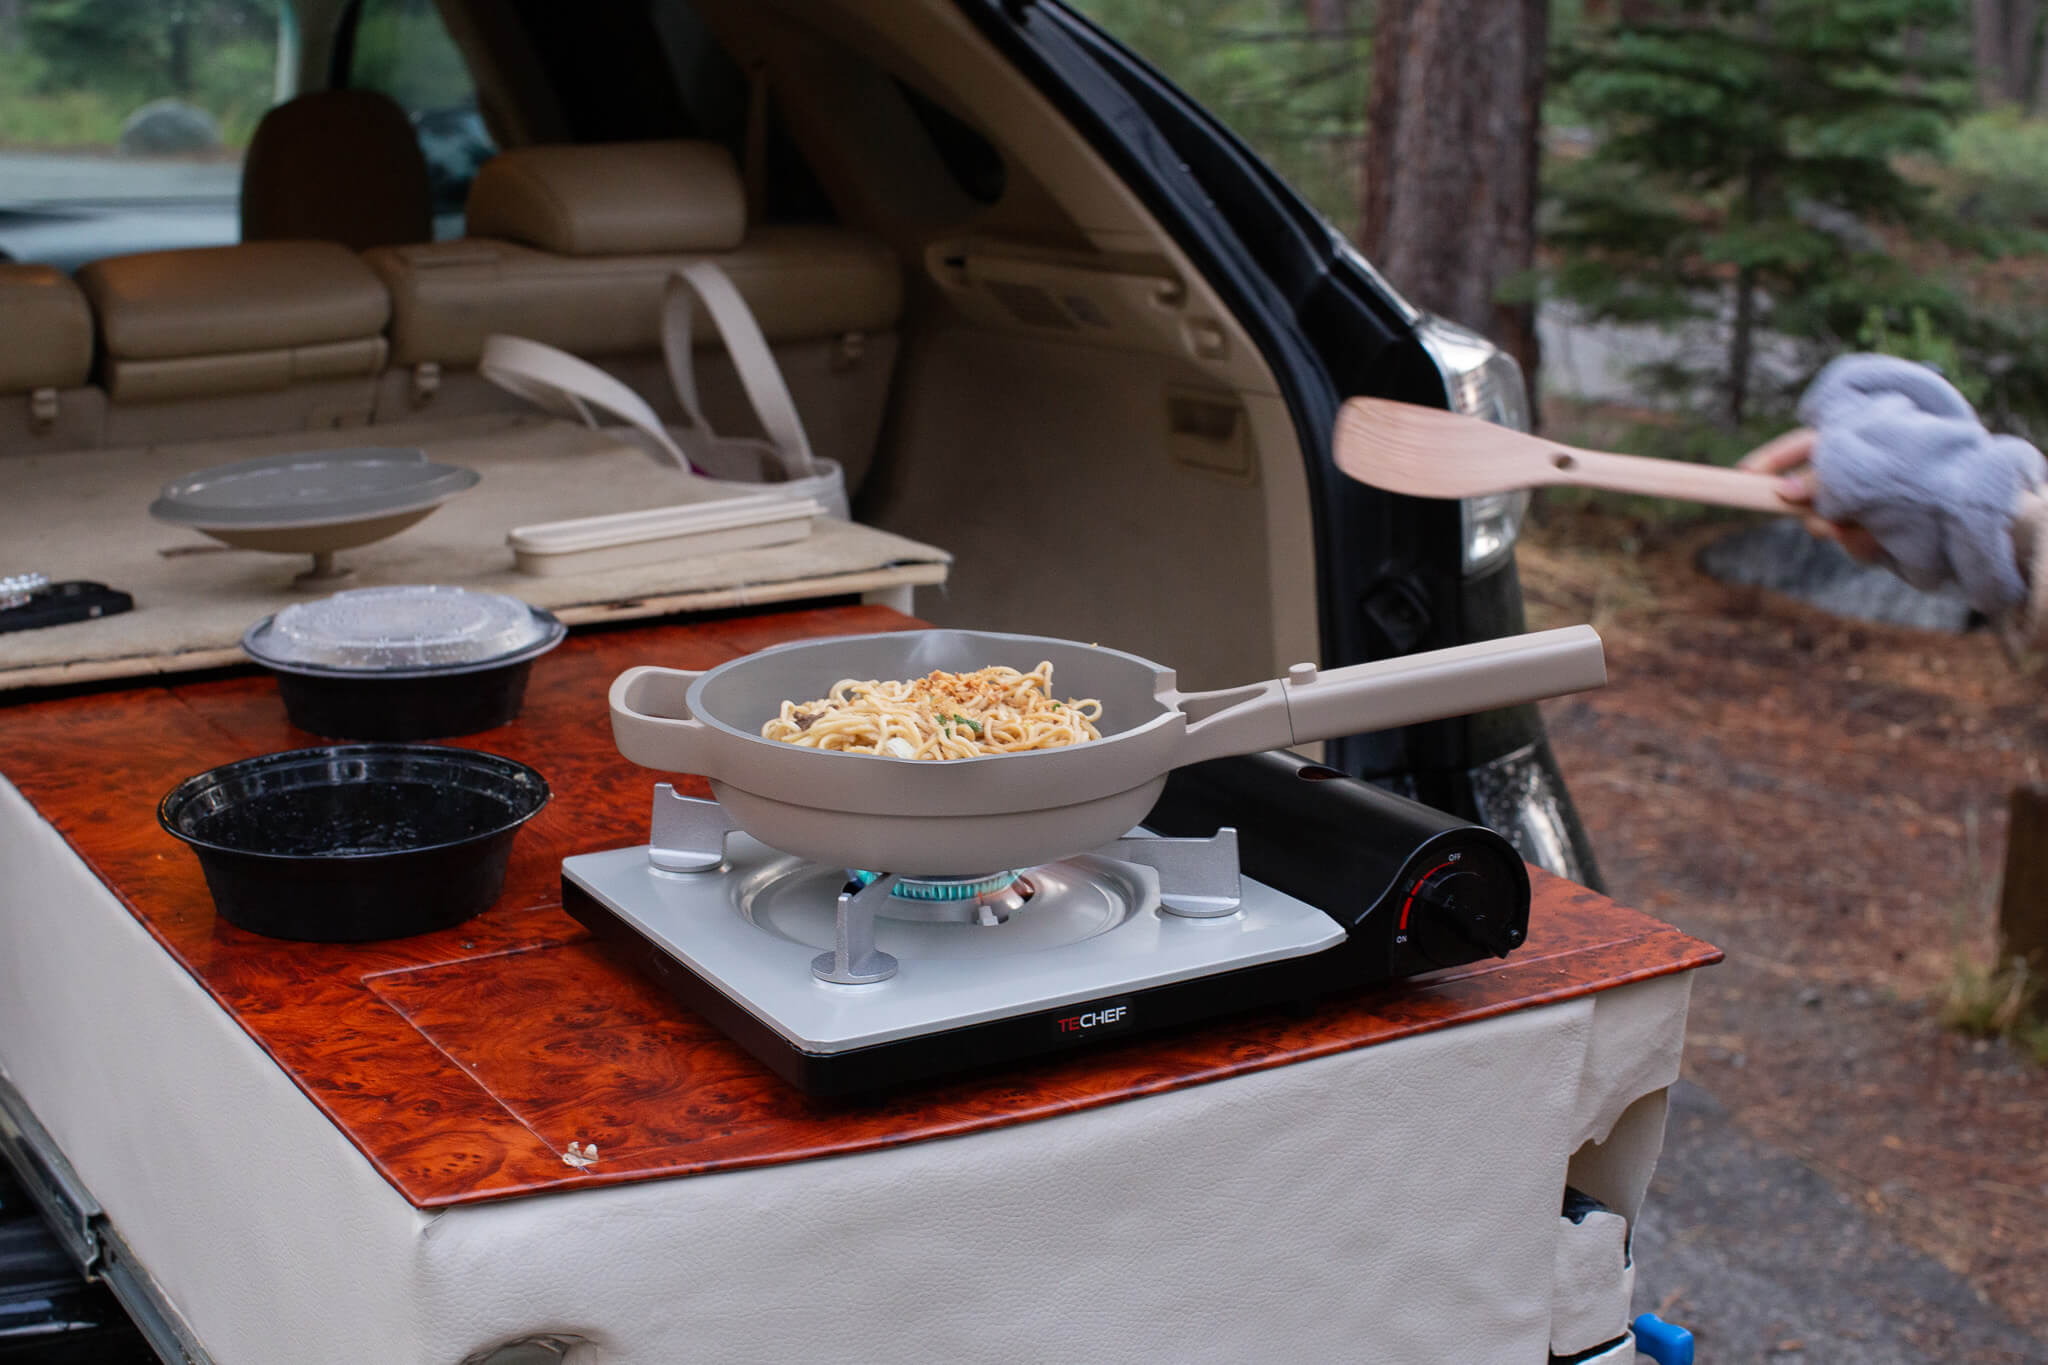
1394,1203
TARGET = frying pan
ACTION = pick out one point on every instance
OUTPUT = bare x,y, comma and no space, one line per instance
996,812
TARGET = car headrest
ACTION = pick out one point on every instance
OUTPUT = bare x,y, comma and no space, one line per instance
611,199
336,166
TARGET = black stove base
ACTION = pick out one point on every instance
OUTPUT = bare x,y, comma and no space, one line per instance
868,1071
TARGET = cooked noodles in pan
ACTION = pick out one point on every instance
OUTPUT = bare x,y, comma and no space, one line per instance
941,715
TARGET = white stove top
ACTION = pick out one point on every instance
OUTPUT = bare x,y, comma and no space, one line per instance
1092,928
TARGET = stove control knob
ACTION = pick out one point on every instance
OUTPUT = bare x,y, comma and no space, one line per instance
1456,912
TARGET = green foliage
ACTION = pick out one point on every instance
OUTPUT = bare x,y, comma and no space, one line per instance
30,116
403,51
2002,1002
105,43
80,67
151,49
1998,176
2002,338
1922,343
1745,155
1295,95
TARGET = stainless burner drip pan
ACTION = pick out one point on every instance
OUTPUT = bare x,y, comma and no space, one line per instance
1093,930
1069,903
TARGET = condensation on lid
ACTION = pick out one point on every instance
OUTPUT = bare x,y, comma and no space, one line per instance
401,628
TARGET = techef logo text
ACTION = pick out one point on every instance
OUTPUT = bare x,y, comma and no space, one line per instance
1105,1017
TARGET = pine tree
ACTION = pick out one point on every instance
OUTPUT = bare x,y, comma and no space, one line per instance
1745,152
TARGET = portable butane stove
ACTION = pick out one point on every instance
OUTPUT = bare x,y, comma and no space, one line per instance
1255,880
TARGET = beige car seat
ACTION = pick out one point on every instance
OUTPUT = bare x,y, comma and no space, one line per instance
338,166
45,359
574,245
301,321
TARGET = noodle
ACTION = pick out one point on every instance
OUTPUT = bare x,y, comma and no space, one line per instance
941,715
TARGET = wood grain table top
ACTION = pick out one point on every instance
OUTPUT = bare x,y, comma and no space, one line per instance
464,1062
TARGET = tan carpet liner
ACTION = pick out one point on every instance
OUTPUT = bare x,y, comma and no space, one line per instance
85,514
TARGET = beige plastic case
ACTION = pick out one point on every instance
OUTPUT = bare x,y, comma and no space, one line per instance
622,539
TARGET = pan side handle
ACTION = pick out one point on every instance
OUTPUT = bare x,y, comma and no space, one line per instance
1443,682
651,720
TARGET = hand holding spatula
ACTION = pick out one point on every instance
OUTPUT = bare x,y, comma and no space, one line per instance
1895,452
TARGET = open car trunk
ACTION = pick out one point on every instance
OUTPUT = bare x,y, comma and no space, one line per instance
977,319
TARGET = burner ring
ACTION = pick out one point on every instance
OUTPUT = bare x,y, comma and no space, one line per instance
941,888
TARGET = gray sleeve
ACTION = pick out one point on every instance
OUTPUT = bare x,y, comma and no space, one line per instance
1901,453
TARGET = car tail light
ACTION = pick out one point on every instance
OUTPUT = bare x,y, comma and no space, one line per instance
1482,381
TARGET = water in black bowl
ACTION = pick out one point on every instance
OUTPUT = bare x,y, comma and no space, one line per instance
341,821
355,842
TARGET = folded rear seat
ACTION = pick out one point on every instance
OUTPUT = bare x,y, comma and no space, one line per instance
300,320
45,361
572,246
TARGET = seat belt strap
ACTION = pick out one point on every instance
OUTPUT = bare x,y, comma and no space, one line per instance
748,349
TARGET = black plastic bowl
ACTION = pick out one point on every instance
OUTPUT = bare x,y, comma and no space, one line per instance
356,841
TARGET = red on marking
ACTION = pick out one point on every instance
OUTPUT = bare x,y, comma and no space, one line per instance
1409,904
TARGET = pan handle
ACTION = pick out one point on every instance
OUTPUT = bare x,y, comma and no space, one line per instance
1445,682
1236,720
651,720
1311,704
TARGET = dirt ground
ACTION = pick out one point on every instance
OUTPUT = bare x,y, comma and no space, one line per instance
1825,800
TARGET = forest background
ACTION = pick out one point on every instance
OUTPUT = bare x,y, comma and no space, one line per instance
1745,187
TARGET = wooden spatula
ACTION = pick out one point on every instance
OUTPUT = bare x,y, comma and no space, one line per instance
1428,453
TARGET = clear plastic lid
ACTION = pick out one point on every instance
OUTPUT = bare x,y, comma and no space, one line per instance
407,629
310,488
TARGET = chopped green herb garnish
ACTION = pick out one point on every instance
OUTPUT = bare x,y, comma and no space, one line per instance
962,720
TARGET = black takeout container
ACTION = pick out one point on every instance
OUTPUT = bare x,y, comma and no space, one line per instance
405,703
354,842
403,706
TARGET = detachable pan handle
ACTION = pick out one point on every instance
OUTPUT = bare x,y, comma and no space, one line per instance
651,720
1312,704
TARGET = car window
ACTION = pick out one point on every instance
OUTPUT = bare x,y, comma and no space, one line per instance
123,122
1288,79
401,48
